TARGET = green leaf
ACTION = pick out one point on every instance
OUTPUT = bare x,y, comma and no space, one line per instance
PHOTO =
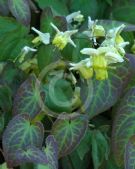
51,151
46,19
13,37
20,10
73,161
57,6
11,46
104,94
84,147
29,155
123,126
4,7
45,56
3,166
109,2
19,135
11,77
119,13
69,132
9,25
87,7
59,94
100,148
130,154
2,122
6,98
28,98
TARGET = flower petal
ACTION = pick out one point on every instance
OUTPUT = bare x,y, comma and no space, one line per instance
113,58
55,27
71,42
89,51
71,16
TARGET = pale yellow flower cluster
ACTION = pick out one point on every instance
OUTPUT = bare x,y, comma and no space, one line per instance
110,51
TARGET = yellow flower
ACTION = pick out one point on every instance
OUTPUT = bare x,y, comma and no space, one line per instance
42,37
101,58
24,52
114,38
75,16
83,67
94,30
61,39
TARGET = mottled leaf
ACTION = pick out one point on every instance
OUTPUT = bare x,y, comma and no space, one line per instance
130,154
51,151
104,94
29,155
123,127
20,10
100,148
28,98
20,134
69,132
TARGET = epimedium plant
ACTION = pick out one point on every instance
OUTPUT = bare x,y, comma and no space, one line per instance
67,89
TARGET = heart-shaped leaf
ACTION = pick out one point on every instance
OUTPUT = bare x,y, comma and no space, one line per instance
104,94
123,127
130,154
20,134
69,132
51,152
20,10
30,155
28,98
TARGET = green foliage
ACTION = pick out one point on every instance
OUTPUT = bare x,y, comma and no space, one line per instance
28,98
68,132
20,9
20,134
54,111
123,128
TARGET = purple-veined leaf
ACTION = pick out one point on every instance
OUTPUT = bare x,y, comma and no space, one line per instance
51,151
124,124
28,98
20,10
20,134
29,155
130,154
69,132
104,94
